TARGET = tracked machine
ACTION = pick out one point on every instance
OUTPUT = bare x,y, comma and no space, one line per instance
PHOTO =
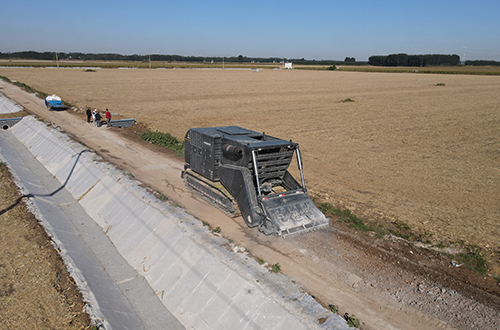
246,173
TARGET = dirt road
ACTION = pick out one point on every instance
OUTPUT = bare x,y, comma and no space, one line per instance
387,284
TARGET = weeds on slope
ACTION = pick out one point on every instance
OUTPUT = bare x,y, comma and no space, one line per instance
473,258
25,87
165,140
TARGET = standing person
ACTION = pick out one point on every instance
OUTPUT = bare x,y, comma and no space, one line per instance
89,115
108,117
93,114
98,119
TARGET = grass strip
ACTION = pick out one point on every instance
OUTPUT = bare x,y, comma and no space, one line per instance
165,140
28,88
354,222
473,259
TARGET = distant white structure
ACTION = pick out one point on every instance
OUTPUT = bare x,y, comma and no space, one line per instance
288,65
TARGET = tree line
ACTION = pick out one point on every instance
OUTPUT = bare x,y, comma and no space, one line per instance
403,59
51,56
482,63
400,59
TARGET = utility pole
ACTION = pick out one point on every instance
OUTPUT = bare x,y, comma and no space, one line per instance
465,50
57,61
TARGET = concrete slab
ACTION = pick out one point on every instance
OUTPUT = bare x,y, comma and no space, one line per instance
153,242
8,106
265,315
100,195
161,270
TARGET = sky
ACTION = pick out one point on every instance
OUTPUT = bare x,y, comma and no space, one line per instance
320,30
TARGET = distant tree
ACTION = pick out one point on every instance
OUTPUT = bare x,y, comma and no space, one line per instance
377,60
397,60
403,59
416,60
482,62
440,59
349,60
240,58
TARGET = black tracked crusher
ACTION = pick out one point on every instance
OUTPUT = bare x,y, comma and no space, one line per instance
246,172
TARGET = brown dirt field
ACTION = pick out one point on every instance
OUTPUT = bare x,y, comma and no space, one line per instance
487,70
387,283
36,291
407,148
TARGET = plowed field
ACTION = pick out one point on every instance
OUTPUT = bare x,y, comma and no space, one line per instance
421,148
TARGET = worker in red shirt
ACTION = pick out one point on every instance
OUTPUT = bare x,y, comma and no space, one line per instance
108,116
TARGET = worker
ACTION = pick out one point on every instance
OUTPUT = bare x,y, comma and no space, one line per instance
98,119
89,115
108,117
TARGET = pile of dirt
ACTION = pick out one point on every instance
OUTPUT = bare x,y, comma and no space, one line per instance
36,290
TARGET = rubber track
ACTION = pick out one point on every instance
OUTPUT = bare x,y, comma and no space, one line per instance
210,199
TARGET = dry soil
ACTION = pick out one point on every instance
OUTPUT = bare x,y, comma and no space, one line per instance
373,158
36,291
423,149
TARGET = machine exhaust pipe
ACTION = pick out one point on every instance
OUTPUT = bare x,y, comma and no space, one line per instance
232,152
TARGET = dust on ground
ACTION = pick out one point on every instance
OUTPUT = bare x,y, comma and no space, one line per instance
36,290
384,282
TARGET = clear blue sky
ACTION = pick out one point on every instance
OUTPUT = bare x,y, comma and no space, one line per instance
292,29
